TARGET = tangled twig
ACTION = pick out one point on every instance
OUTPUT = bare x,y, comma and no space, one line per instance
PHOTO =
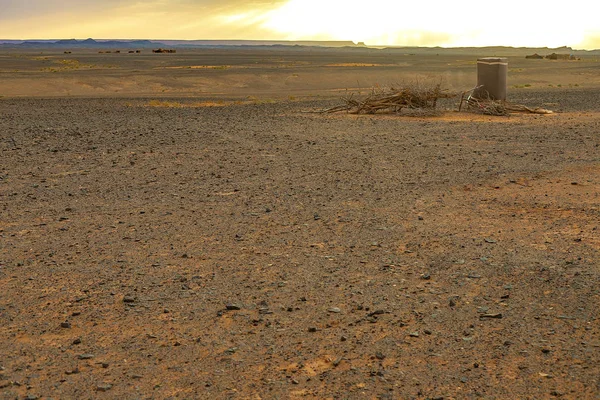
490,106
393,100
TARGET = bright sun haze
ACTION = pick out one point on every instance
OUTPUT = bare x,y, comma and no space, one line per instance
377,22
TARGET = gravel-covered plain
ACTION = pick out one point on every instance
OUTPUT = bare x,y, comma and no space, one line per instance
256,251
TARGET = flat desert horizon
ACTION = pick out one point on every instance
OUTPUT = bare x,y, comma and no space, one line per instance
191,226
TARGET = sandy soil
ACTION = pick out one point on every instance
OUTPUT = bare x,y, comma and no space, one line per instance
211,248
266,74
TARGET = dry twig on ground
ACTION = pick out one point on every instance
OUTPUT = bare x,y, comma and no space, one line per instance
495,107
393,100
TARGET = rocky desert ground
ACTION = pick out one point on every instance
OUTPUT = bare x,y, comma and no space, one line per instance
182,226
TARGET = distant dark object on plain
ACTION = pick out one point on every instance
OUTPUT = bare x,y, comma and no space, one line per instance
161,50
557,56
535,56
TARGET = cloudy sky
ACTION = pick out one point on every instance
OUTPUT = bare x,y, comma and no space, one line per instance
377,22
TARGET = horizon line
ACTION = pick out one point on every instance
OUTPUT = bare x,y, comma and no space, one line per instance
356,43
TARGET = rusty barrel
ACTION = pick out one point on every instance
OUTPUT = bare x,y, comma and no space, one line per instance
492,73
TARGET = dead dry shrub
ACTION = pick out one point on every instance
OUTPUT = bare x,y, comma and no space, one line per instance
489,106
413,99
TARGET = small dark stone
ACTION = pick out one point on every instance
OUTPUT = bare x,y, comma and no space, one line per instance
312,329
65,325
233,307
426,276
104,387
545,351
380,355
85,356
31,397
427,332
105,365
344,338
128,299
77,341
73,371
493,316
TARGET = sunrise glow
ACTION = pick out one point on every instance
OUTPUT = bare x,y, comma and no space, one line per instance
380,22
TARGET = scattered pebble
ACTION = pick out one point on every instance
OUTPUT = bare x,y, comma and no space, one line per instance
334,310
65,325
128,299
496,316
233,307
86,356
103,387
312,329
414,334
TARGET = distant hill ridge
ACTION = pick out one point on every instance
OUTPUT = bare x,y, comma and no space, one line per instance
139,44
100,43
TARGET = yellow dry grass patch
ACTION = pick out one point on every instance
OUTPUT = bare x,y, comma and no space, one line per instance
197,104
203,67
200,104
358,65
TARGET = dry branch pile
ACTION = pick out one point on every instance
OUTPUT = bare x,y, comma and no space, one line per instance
495,107
393,100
